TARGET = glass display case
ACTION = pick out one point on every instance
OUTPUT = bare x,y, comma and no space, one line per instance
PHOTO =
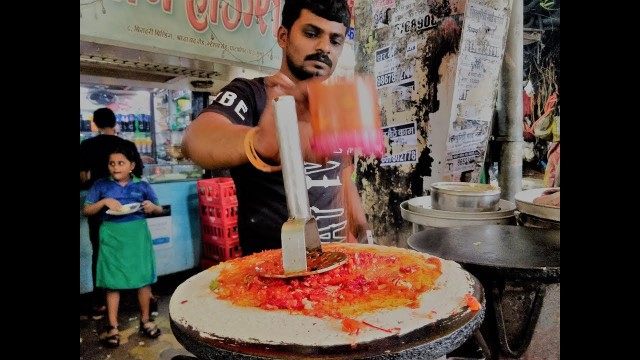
132,110
155,173
172,110
154,120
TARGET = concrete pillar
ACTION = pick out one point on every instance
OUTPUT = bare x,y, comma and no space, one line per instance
509,107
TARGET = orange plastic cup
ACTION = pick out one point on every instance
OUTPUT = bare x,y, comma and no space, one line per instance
345,114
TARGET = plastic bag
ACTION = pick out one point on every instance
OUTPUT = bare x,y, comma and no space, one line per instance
547,128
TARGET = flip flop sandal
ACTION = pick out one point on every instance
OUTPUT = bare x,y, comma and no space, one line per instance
151,332
110,341
97,313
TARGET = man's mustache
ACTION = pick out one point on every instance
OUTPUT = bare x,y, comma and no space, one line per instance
320,56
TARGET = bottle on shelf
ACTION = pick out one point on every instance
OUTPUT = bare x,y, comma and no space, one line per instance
118,123
132,123
85,124
144,124
124,123
138,127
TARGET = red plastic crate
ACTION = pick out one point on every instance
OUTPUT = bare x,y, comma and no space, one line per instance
221,252
219,213
220,190
207,263
220,233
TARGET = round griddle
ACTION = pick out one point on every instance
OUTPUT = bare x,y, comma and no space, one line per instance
511,251
428,342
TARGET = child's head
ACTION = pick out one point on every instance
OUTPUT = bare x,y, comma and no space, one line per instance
104,118
122,164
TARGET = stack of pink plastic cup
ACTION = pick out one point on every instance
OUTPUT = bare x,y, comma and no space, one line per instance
345,115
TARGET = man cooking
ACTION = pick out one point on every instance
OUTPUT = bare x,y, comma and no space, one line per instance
312,35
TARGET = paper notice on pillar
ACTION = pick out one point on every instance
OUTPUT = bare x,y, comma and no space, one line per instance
160,228
401,134
457,163
401,98
411,17
412,49
382,12
389,69
467,134
400,158
479,64
466,145
385,66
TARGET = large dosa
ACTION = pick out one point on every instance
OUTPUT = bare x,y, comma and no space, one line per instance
194,306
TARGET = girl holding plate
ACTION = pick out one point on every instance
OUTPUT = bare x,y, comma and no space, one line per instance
126,259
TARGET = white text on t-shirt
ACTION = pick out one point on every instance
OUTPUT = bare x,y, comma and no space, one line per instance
228,98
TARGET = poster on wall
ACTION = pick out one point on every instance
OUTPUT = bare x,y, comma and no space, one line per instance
402,96
400,158
382,12
480,60
389,69
392,64
401,134
403,140
411,17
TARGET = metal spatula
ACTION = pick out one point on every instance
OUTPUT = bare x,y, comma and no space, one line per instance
301,249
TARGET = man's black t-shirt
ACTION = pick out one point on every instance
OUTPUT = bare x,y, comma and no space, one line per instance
262,204
94,156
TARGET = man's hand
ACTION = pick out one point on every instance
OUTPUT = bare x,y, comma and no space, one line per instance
266,140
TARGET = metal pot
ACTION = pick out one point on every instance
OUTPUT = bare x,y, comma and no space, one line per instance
464,196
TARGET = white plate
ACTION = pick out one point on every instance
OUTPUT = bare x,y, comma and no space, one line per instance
438,218
125,209
422,205
524,203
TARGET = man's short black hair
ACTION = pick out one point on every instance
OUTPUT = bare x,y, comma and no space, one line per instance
104,118
332,10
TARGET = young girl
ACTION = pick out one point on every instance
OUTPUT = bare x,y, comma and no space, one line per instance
125,259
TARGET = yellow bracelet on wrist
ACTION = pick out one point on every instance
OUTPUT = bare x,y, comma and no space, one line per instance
252,155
